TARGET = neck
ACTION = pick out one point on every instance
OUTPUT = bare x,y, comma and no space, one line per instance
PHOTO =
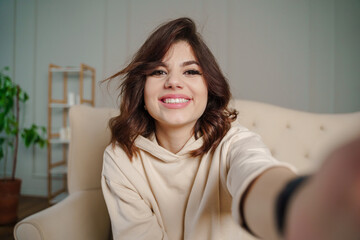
173,139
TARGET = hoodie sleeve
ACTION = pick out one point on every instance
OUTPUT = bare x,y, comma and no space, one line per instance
247,158
131,217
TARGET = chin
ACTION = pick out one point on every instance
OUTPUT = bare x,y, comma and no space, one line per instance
179,122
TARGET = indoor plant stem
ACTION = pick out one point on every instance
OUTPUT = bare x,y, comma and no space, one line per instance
17,133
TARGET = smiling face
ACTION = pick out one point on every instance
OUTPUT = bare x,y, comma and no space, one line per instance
175,92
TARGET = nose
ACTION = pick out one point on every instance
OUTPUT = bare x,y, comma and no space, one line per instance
173,82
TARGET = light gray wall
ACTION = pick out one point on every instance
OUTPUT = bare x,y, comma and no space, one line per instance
299,54
347,56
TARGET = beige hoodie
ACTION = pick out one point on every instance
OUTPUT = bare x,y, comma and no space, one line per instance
162,195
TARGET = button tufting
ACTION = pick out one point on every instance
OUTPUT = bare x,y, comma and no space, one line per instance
322,128
253,124
288,126
307,155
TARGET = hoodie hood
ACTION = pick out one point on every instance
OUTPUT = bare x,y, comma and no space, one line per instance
151,146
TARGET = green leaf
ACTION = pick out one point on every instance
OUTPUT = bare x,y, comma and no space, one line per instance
9,127
1,153
42,143
23,96
26,96
32,136
2,123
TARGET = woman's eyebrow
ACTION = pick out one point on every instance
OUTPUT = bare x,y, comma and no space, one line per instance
184,64
187,63
161,64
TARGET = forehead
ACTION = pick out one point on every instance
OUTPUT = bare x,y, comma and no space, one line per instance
179,51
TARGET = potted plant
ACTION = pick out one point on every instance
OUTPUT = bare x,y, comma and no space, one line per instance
11,97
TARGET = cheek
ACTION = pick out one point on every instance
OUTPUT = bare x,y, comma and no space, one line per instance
151,91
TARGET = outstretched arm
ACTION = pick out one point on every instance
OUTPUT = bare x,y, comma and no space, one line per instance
325,207
259,202
328,205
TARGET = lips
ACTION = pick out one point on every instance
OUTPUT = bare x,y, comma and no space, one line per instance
174,101
175,98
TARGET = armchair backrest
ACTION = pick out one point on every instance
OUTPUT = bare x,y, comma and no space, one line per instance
90,135
300,138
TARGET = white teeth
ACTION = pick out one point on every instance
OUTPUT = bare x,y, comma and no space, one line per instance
175,100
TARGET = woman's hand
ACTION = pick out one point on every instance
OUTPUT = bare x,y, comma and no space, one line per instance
327,206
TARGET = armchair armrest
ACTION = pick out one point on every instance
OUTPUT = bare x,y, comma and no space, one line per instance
82,215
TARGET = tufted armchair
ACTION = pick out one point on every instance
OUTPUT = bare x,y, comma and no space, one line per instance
83,214
300,138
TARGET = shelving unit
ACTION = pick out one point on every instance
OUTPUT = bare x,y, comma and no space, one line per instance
58,168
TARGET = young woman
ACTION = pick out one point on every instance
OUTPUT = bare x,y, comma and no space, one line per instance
179,167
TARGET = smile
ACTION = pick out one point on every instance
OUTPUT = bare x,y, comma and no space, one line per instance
175,100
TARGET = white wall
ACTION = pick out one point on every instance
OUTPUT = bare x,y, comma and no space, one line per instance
298,54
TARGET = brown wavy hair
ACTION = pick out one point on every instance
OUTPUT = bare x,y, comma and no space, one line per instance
134,120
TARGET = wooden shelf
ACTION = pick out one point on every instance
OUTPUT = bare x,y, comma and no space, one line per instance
71,70
59,141
62,107
62,169
59,105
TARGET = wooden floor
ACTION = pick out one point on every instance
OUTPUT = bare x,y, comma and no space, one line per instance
27,206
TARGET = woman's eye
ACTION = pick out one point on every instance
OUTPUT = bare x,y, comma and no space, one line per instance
192,72
158,73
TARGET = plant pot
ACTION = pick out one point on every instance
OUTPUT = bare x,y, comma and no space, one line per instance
9,200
